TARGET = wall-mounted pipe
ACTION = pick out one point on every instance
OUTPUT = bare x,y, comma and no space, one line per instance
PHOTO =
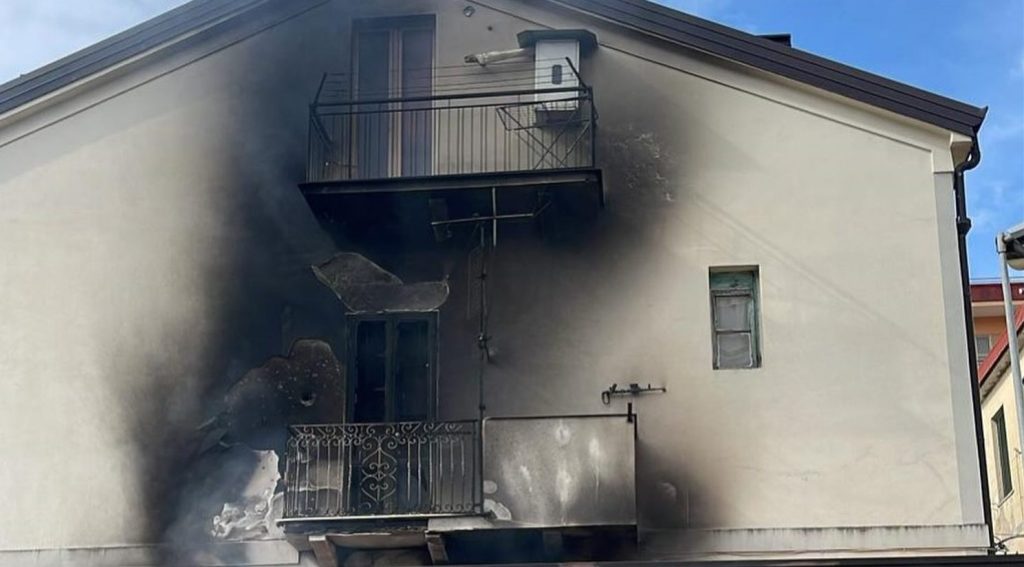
488,57
963,226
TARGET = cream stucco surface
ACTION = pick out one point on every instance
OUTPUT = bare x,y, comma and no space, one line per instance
148,222
1007,511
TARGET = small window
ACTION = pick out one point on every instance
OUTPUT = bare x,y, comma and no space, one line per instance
982,345
1002,454
735,316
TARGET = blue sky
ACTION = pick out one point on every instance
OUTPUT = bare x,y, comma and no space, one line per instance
971,50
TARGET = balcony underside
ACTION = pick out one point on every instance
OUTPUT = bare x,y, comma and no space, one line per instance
412,214
585,178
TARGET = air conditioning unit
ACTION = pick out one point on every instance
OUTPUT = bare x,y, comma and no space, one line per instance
555,64
557,58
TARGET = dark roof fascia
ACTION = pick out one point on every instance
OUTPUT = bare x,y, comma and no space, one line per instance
683,29
135,41
645,16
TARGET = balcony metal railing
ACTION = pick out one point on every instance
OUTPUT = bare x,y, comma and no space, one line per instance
383,469
452,134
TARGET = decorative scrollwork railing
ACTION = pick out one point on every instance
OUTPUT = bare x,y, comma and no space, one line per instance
382,469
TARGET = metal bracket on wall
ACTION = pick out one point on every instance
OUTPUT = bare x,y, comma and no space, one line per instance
633,389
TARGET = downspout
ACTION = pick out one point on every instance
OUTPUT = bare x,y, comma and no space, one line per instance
963,226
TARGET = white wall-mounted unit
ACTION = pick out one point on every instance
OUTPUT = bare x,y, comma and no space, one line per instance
555,64
557,56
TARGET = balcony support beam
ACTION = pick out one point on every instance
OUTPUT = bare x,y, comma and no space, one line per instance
324,550
436,548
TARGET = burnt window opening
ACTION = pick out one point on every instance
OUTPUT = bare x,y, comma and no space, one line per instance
392,358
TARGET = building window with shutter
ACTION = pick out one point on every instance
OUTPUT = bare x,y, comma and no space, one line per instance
982,345
1002,451
735,317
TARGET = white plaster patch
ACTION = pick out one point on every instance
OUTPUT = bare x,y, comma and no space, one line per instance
525,472
563,434
254,516
490,487
500,511
563,484
668,491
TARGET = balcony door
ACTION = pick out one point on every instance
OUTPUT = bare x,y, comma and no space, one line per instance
393,73
392,361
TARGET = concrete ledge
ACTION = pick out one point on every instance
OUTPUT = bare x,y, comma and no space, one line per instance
832,542
250,553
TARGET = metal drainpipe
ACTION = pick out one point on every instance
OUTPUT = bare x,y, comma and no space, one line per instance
963,225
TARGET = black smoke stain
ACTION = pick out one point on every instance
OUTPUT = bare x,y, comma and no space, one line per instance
258,293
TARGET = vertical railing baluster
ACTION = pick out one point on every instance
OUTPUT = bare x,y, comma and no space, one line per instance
348,479
462,468
408,474
419,474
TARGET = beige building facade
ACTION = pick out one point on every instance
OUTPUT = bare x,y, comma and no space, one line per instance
1003,446
157,248
989,313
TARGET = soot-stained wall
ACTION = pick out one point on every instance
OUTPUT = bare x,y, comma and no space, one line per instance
857,415
156,249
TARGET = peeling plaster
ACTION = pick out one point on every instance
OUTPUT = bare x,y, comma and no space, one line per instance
254,515
364,287
499,510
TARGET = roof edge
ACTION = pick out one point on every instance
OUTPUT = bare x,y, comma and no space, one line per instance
673,26
137,40
1001,348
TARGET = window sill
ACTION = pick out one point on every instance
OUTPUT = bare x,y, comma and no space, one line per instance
1004,499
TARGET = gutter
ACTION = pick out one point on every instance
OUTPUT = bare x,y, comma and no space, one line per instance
963,226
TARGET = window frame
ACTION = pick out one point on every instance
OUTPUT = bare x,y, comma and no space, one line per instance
1001,451
977,351
396,28
391,321
717,290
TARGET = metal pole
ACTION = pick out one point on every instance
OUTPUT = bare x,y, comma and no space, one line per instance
1011,338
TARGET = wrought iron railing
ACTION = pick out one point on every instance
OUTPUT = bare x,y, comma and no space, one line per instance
383,469
452,134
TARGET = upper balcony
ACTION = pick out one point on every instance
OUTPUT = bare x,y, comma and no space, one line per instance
463,130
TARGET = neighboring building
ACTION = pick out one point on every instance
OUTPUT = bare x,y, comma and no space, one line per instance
989,313
254,313
999,414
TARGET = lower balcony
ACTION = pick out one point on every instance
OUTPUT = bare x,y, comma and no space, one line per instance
463,488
